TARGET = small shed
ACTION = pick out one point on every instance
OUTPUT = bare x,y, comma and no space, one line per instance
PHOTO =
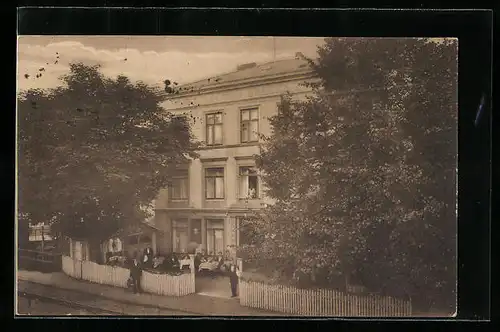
131,239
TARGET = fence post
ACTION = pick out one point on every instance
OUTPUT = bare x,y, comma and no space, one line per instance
193,272
239,263
81,268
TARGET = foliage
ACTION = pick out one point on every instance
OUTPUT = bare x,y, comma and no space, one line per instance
170,272
363,171
94,152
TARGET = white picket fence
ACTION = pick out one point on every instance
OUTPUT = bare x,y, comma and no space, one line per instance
161,284
71,267
319,302
105,274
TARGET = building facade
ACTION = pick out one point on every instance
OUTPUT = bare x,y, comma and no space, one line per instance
210,196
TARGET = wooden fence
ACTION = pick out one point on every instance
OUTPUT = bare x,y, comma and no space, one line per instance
71,267
161,284
39,260
319,302
164,284
105,274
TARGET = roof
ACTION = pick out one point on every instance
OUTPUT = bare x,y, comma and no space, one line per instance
138,228
249,72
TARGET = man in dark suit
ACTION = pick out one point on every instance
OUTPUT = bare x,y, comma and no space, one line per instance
233,279
135,274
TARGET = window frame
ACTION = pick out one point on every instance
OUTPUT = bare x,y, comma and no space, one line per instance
179,224
210,231
206,170
257,175
211,128
181,174
135,237
248,123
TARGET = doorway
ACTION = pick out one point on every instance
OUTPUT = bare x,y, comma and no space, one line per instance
213,285
196,236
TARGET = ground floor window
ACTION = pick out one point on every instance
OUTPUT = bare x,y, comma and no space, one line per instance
215,236
196,231
180,235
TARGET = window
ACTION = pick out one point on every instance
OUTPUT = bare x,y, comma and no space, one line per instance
214,183
250,125
180,235
214,128
249,183
179,186
144,238
133,239
136,239
215,236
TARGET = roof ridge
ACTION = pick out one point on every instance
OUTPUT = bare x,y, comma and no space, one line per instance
235,70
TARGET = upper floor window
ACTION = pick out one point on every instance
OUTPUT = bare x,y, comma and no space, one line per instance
179,188
214,183
248,183
214,128
249,125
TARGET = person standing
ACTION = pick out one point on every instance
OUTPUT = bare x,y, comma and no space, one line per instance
234,275
135,274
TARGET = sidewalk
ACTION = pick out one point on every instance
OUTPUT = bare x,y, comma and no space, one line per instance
190,304
38,299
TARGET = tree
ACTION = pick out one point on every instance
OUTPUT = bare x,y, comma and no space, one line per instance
363,171
94,152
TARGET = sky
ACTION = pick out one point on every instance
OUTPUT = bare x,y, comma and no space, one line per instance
151,59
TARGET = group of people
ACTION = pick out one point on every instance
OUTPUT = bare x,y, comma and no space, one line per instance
147,259
233,271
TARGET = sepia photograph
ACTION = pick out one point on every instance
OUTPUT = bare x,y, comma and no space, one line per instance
236,176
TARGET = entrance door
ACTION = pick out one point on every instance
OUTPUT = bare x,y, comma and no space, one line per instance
180,235
215,236
196,232
180,240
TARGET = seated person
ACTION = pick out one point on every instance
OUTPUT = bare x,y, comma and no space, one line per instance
109,254
174,261
157,261
166,265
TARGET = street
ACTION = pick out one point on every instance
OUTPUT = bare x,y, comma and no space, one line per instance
48,300
46,308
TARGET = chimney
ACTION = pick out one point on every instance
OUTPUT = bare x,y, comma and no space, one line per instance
246,66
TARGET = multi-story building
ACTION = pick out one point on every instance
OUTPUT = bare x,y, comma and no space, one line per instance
209,197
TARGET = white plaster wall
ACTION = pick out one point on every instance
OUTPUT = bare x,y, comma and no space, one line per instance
230,102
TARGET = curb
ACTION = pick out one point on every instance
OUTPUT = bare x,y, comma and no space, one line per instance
63,302
152,306
127,302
